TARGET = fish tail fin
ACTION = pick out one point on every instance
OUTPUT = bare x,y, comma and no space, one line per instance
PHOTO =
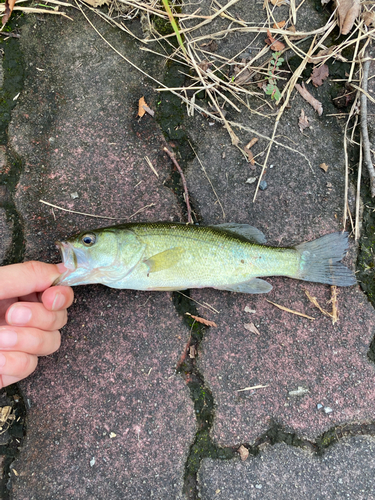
320,260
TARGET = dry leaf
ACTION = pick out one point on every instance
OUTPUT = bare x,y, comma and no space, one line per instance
319,74
249,310
192,352
252,328
278,3
141,109
324,167
148,110
369,18
273,43
97,3
204,65
9,4
303,121
279,25
348,11
247,150
317,105
202,320
244,452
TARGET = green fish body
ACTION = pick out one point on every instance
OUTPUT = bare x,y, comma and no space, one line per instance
175,256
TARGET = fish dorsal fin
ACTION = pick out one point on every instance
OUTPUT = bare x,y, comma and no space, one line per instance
251,233
253,286
164,260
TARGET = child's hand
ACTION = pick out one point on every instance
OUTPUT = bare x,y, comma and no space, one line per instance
29,320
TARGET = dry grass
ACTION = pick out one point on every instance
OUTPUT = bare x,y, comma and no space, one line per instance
233,81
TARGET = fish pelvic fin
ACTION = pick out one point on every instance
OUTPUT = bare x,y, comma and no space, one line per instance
320,260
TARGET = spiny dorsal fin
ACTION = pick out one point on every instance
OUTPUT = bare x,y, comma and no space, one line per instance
251,233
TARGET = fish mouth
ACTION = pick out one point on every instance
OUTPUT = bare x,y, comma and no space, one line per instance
73,273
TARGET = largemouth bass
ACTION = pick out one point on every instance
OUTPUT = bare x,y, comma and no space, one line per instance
175,256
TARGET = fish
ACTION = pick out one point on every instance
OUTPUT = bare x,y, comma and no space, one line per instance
167,256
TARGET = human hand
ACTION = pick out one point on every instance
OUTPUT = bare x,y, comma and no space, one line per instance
31,314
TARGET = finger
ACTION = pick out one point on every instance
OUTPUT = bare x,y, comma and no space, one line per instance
34,314
15,366
17,280
57,298
29,340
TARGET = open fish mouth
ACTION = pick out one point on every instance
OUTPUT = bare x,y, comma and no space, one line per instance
69,259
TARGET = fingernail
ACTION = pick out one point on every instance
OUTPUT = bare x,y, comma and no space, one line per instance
3,359
19,315
58,302
8,338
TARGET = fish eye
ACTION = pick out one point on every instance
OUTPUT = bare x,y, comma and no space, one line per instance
88,239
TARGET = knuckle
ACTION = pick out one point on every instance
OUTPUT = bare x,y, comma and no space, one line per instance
33,267
27,363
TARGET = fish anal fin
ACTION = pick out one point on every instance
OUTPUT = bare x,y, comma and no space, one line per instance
164,260
251,233
255,285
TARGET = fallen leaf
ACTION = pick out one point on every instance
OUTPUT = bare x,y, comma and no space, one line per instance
273,43
243,75
298,392
369,18
9,4
252,328
192,352
244,452
247,308
249,153
319,74
347,11
317,105
141,109
279,25
202,320
324,167
204,65
97,3
278,3
303,121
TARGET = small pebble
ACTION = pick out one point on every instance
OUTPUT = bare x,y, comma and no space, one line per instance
258,486
263,185
319,406
92,462
327,409
74,195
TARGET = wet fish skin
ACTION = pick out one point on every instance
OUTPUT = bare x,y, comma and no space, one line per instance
175,256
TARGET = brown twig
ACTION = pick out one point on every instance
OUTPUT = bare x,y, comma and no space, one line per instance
186,193
365,139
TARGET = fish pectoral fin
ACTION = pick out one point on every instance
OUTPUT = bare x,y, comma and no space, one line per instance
253,286
164,260
251,233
